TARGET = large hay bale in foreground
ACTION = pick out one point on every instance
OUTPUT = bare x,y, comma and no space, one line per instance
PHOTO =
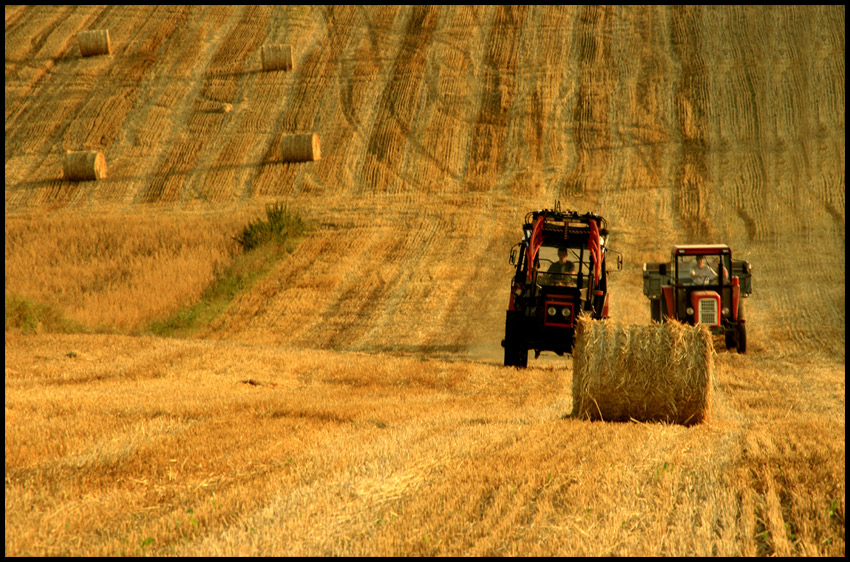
276,57
656,373
84,165
94,42
300,148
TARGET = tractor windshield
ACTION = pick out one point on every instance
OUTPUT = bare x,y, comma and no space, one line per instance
702,269
562,265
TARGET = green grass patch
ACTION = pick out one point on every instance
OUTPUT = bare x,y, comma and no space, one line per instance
264,243
31,316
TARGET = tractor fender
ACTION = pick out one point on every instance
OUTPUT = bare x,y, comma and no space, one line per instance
736,295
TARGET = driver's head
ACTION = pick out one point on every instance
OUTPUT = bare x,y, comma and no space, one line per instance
563,254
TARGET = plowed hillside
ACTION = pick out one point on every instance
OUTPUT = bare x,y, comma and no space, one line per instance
354,400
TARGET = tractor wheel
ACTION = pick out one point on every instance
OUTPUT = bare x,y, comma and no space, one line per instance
515,355
731,339
741,330
655,310
522,357
662,309
742,338
510,355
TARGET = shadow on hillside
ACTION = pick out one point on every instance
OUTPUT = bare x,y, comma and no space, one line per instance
61,182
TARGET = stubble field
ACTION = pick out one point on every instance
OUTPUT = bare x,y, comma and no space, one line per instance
354,401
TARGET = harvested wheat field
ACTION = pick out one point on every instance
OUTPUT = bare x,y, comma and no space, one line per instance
352,400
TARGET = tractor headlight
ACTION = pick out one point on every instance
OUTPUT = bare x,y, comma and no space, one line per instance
724,311
552,311
690,311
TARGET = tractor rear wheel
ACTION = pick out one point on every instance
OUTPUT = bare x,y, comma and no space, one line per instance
655,310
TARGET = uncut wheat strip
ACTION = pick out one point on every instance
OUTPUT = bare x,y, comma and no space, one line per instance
84,165
94,42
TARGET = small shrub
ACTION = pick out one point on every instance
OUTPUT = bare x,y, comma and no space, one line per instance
31,316
279,225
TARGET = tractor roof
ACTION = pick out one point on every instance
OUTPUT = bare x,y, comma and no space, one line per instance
557,220
565,227
696,249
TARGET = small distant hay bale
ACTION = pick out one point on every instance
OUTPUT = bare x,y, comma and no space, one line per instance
94,42
655,373
300,147
277,57
226,108
84,165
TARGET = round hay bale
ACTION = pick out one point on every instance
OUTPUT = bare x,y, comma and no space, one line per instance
655,373
94,42
300,147
84,165
276,57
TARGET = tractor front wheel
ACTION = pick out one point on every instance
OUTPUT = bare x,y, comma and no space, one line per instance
515,355
741,330
742,338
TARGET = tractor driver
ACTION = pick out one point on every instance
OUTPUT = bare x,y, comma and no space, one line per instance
703,274
560,270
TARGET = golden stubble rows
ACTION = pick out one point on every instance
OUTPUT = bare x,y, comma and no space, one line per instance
216,448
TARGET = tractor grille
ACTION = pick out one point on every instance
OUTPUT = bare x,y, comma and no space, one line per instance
708,313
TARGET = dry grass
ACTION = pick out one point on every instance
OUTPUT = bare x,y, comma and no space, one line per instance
118,445
660,372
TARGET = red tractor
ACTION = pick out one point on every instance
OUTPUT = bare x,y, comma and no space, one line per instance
701,284
560,273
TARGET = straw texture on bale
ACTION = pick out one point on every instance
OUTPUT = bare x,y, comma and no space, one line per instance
656,373
94,42
276,57
300,147
84,165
